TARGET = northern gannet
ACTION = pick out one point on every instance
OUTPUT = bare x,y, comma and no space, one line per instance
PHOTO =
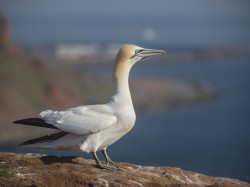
92,128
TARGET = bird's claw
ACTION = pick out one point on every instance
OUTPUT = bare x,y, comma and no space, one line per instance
108,166
116,165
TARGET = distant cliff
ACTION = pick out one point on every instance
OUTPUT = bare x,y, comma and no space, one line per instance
42,170
7,46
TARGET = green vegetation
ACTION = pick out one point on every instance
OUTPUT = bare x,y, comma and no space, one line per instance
6,174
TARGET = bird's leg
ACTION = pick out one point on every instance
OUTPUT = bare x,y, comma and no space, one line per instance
101,165
109,161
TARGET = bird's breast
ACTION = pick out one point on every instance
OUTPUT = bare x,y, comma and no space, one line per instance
124,123
125,114
126,119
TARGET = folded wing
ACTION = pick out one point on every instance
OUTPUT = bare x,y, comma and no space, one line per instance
80,120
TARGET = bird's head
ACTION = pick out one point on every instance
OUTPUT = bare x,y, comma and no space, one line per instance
128,55
132,53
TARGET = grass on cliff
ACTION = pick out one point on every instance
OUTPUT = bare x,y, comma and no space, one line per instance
6,174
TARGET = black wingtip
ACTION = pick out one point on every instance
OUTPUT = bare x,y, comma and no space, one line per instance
21,144
18,121
28,120
35,122
47,138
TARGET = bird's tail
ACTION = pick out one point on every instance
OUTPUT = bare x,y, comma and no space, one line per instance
38,122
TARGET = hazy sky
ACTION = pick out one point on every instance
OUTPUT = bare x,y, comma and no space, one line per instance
239,8
173,21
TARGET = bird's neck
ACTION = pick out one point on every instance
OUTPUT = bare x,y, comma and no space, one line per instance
121,83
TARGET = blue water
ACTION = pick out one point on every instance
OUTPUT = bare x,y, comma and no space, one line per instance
211,138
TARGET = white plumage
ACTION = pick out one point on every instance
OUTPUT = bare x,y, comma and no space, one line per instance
81,120
95,127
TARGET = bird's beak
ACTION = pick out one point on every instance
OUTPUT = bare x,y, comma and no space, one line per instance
149,52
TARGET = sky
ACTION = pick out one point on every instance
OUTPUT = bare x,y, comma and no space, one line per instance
173,22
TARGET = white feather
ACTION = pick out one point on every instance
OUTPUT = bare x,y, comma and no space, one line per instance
81,120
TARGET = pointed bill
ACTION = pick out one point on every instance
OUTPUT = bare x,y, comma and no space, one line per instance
149,52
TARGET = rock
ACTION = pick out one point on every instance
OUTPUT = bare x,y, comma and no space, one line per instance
44,170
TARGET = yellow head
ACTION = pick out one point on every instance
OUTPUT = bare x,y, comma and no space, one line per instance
128,55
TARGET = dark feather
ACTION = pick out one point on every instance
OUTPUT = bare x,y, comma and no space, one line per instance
47,138
35,122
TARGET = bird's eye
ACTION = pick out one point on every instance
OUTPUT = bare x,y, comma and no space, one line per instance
138,51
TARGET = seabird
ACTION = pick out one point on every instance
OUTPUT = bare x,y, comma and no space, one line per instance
92,128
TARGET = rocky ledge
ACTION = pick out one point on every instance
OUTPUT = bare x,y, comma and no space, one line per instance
43,170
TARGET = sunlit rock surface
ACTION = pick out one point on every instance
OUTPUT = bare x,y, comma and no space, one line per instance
44,170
